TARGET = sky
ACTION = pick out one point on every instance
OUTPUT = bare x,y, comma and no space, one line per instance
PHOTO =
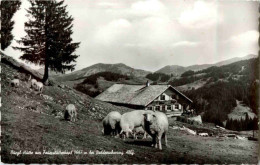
150,34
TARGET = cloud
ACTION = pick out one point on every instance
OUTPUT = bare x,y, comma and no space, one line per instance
184,44
147,7
240,45
112,32
246,37
108,5
150,34
135,45
202,14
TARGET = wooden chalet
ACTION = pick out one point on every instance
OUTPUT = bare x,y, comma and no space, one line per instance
163,98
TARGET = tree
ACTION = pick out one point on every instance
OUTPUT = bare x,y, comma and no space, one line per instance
48,41
8,9
255,125
188,73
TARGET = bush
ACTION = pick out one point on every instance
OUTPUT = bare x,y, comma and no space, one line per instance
109,76
85,89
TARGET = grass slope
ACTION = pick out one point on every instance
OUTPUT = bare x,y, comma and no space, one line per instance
239,112
30,122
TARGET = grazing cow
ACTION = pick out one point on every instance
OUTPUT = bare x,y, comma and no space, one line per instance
156,125
38,86
70,113
111,123
33,82
130,120
15,82
139,130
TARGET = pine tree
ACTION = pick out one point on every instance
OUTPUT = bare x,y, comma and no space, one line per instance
246,122
255,125
48,41
8,9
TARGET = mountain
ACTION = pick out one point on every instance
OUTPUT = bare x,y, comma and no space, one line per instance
216,90
95,84
100,67
178,70
235,59
123,69
172,69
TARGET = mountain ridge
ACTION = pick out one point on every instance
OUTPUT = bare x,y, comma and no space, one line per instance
197,67
121,68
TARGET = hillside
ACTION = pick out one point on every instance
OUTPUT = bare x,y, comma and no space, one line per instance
240,111
174,70
178,70
33,122
114,68
94,84
136,76
215,90
51,73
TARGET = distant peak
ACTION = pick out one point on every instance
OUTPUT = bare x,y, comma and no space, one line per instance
173,66
251,56
122,64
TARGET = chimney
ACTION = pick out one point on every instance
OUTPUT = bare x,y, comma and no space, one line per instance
147,84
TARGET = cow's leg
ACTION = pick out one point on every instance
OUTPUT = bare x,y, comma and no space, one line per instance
165,139
154,141
145,134
158,141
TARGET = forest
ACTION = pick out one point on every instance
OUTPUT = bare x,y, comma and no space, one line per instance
109,76
226,84
90,85
158,77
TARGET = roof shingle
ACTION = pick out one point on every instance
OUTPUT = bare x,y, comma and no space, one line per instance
133,94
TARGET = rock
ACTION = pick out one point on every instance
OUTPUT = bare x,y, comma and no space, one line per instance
188,130
175,127
230,135
203,134
61,86
93,109
81,102
240,137
59,115
46,97
196,119
220,127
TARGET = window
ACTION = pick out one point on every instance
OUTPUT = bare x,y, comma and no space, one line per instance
150,108
157,108
169,107
162,97
176,106
163,108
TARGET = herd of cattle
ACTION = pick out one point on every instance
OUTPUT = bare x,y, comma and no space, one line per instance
69,114
145,122
37,85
